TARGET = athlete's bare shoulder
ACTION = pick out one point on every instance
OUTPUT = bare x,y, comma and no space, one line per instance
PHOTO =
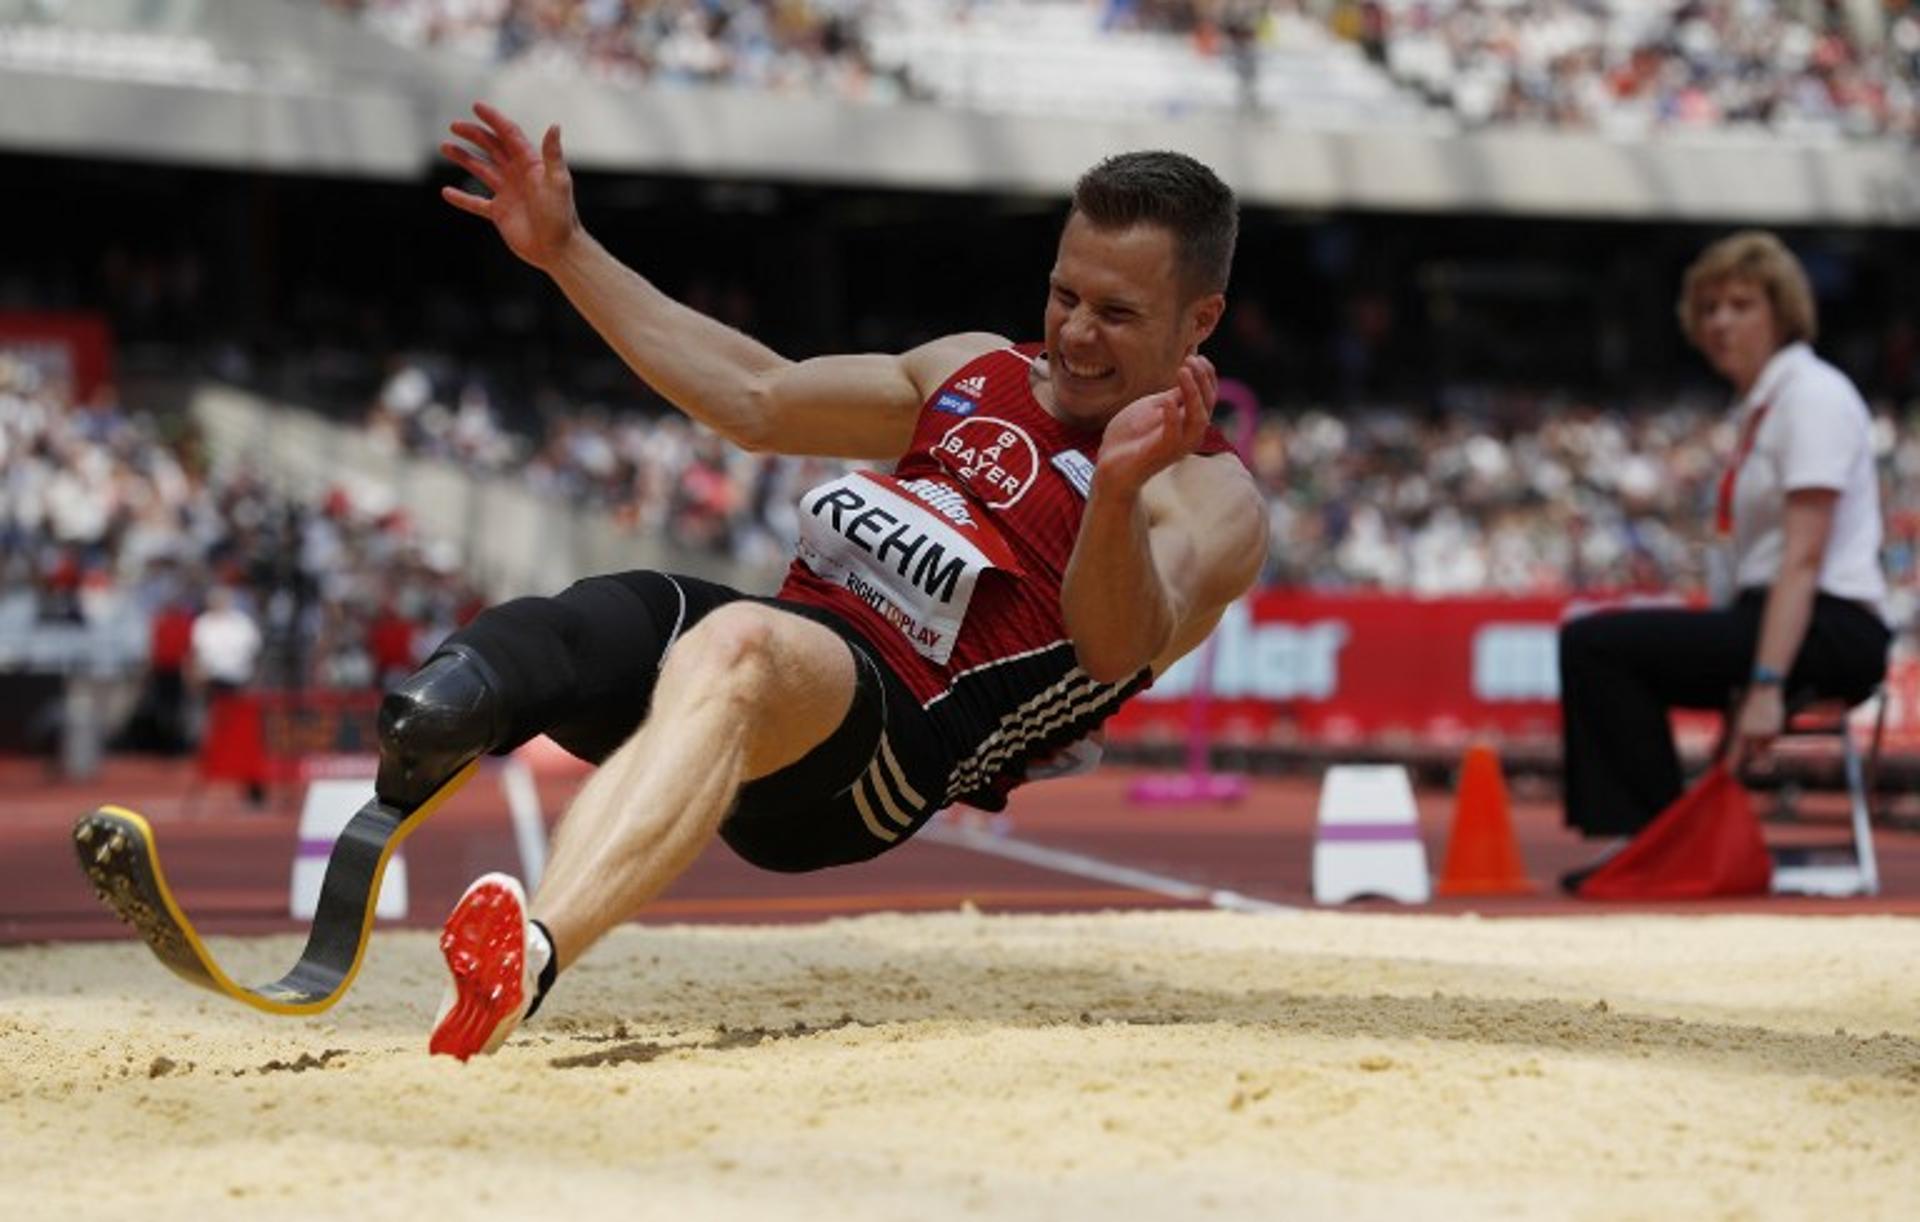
933,362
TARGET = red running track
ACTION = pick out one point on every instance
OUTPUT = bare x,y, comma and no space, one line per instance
230,864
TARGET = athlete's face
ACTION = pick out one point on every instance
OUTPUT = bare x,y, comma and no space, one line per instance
1118,319
1735,328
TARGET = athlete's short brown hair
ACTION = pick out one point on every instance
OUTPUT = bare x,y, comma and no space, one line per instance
1176,192
1761,257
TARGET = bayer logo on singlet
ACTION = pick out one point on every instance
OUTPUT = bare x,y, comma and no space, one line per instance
994,458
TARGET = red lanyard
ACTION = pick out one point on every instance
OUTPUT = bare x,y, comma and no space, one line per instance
1723,512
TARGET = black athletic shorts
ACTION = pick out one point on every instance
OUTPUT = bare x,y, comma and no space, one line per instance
869,786
581,667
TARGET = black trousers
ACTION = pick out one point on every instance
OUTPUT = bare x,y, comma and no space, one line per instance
1621,672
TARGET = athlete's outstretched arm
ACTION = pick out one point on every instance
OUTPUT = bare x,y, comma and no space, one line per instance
860,406
1169,538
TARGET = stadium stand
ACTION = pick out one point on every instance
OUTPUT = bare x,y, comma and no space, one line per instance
1629,68
109,522
1695,110
1456,406
1554,499
1637,66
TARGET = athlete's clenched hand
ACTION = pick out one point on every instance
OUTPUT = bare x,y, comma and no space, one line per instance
532,190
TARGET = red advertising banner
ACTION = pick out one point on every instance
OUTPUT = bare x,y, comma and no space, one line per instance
1291,668
75,349
1294,669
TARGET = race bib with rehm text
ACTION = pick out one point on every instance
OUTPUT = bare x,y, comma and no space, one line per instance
913,550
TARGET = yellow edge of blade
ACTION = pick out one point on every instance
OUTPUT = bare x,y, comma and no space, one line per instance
241,993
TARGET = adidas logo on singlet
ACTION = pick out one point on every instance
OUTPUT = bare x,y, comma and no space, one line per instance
975,385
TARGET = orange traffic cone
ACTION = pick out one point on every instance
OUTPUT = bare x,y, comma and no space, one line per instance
1482,858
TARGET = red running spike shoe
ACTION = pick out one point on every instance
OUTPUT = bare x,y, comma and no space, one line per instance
486,944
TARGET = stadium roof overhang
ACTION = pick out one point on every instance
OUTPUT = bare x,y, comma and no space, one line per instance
283,87
1719,177
238,84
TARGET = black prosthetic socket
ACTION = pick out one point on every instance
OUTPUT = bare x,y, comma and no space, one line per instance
580,667
439,718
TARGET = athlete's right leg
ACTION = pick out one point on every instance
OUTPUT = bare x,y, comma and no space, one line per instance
749,692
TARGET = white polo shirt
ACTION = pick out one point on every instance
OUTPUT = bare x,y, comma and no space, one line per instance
1817,433
226,644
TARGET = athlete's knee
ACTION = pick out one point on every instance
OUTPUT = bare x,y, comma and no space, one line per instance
436,721
729,651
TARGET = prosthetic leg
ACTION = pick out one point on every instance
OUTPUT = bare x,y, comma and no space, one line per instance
433,729
578,667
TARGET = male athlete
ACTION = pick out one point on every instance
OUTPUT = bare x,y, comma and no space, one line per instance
1059,524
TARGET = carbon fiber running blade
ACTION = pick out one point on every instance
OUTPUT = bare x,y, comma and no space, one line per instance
117,851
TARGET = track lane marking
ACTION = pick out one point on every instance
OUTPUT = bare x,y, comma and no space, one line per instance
1081,865
984,898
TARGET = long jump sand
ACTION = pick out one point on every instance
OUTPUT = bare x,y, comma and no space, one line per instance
1147,1065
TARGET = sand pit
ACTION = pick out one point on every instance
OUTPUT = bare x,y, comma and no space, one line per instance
1152,1066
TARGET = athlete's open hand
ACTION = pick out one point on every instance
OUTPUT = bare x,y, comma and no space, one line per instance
532,201
1155,431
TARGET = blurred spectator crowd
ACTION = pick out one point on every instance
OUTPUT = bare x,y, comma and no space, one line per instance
1578,500
782,45
1519,497
1623,67
106,514
1626,68
659,475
